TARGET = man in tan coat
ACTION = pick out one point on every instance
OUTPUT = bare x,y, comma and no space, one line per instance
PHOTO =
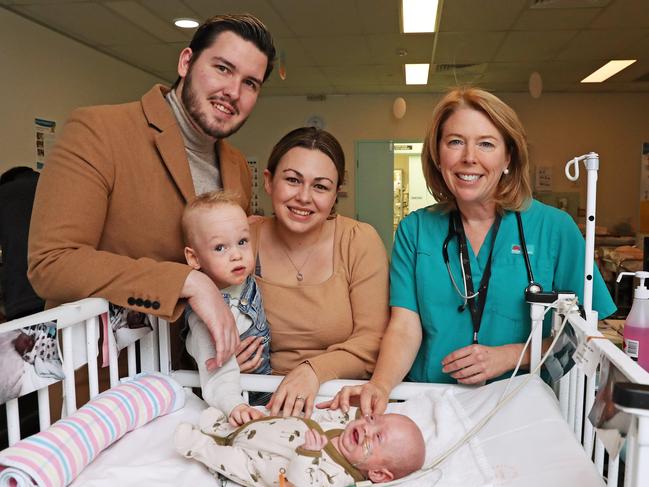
106,219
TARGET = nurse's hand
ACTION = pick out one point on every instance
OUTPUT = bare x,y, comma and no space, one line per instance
373,399
296,393
477,363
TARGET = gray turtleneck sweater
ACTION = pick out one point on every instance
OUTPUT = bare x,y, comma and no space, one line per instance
200,149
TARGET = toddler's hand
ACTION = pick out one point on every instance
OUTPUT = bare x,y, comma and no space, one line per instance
314,440
244,413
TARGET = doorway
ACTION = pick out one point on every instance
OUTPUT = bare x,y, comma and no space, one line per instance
389,184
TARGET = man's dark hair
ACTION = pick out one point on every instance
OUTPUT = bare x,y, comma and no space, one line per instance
14,173
246,26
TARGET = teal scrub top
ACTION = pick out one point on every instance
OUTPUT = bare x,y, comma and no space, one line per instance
419,280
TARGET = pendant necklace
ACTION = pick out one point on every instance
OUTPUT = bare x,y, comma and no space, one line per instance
298,270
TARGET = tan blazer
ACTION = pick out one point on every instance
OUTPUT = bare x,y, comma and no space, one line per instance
106,219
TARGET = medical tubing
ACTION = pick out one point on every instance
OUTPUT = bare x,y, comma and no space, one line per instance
484,420
527,343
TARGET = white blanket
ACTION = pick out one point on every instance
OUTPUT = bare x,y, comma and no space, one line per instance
443,422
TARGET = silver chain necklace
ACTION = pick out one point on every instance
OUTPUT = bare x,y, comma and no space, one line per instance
298,270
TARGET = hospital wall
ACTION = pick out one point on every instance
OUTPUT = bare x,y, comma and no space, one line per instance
46,75
559,127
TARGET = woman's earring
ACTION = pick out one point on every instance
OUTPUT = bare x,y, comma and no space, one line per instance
506,171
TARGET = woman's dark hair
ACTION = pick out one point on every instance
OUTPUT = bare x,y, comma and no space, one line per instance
314,139
246,26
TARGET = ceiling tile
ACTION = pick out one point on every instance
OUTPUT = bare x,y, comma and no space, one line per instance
149,22
533,46
294,52
624,14
379,16
170,9
90,22
467,47
383,48
480,15
337,51
320,18
351,75
152,57
263,9
553,19
591,44
298,77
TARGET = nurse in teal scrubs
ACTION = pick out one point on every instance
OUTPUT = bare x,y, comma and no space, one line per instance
458,275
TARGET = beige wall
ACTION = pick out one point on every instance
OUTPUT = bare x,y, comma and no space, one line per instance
559,125
46,75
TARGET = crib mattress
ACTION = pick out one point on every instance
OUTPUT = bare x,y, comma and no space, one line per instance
527,444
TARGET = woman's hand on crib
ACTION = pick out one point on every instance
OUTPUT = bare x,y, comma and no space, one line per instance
314,440
371,397
207,302
296,393
243,413
477,363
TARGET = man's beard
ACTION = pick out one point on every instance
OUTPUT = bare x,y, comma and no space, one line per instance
192,106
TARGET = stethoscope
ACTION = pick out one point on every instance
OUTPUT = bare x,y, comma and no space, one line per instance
456,230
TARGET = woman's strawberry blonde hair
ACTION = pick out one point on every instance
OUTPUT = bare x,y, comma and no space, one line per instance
514,191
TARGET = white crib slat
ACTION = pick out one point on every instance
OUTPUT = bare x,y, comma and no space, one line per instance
588,426
572,399
613,470
13,421
43,408
564,400
91,346
165,346
149,349
641,453
599,456
579,418
132,364
113,367
631,452
69,385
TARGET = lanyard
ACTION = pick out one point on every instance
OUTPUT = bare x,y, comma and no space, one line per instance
476,303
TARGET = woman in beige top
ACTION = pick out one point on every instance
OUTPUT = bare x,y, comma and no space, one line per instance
323,277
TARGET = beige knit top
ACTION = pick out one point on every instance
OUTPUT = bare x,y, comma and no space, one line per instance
336,326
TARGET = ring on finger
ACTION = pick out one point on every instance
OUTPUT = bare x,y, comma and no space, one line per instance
299,397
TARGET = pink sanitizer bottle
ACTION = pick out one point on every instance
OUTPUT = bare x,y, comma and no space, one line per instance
636,326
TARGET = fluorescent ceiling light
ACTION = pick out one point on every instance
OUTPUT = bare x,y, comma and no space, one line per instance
186,23
418,15
417,74
608,70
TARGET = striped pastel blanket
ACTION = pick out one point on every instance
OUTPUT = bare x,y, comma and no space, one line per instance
55,457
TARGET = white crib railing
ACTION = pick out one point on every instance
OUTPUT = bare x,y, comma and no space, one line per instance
576,393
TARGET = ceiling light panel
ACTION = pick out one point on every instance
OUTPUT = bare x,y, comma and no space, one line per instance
418,16
608,70
417,74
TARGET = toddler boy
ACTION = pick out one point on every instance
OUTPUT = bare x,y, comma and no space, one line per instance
217,236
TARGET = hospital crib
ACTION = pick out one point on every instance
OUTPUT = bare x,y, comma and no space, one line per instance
79,325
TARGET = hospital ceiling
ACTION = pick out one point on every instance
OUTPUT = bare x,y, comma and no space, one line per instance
355,46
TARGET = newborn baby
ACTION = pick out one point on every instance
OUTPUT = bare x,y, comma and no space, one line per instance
307,453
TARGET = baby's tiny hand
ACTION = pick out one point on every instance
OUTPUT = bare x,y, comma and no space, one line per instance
244,413
314,440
